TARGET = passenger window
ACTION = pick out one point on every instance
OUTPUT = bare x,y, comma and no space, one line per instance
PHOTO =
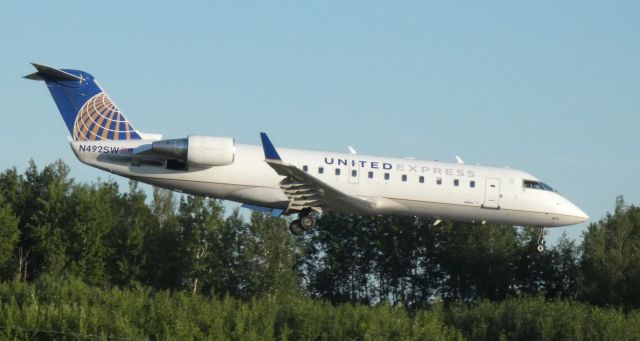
386,176
456,182
337,171
305,168
320,170
421,179
439,181
370,175
404,177
472,184
354,173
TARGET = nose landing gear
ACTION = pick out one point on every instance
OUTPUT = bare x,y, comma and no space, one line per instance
541,232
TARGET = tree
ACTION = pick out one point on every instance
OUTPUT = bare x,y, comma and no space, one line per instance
92,218
339,259
12,189
132,220
9,236
408,261
563,283
273,252
478,261
611,258
162,244
44,216
533,269
200,221
233,273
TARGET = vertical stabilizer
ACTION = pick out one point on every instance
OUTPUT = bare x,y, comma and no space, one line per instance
88,112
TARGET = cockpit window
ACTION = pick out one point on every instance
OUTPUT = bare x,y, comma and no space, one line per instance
536,185
547,187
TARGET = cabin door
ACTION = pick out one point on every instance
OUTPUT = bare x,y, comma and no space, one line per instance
492,193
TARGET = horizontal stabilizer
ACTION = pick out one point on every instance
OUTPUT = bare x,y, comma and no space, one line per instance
46,73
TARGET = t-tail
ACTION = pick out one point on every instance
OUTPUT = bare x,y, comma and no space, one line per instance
88,112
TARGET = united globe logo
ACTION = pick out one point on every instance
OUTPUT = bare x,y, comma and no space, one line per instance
100,119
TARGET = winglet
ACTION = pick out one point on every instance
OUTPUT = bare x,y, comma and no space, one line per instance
270,152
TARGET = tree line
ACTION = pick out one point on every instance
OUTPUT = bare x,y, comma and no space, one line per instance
52,225
106,237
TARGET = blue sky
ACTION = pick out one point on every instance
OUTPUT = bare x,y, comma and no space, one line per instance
549,87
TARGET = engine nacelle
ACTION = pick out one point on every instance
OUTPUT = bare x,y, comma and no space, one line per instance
198,150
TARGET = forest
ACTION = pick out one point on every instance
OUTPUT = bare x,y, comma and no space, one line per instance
92,260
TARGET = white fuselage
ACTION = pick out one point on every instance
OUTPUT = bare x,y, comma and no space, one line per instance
405,187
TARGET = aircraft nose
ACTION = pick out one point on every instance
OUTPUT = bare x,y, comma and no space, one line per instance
580,215
573,214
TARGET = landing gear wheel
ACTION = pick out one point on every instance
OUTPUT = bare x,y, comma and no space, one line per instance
296,227
307,222
540,230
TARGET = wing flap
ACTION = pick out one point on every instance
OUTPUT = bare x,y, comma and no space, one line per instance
305,190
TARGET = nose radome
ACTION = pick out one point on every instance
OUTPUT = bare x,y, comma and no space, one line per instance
574,214
580,214
570,213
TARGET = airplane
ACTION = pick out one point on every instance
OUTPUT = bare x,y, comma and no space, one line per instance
295,181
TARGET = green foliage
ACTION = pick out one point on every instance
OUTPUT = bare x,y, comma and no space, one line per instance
479,261
162,243
611,258
273,255
535,319
170,267
411,262
54,307
200,220
102,236
131,222
9,236
90,220
46,213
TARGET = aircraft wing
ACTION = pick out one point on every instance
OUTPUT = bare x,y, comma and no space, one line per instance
305,190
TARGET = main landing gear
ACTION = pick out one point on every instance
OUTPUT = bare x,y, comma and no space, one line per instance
305,222
541,232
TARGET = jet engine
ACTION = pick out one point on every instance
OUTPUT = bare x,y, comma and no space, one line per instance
198,150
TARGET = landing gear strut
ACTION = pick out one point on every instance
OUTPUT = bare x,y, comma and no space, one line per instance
305,222
540,231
